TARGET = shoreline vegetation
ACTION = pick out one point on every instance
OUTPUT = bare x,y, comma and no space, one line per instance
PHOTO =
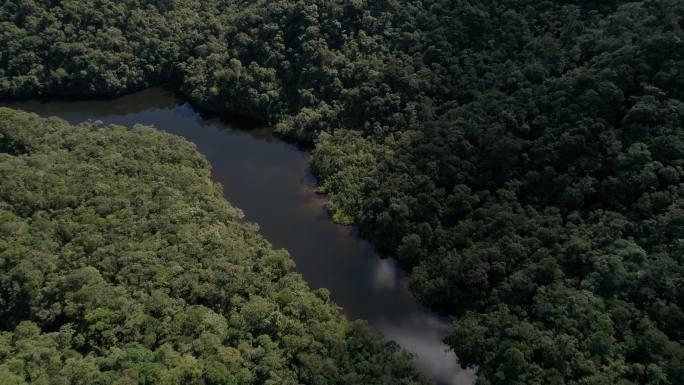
123,263
523,160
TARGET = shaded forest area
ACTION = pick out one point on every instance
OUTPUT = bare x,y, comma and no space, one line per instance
523,158
122,263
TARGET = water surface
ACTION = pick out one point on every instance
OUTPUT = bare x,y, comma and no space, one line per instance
271,182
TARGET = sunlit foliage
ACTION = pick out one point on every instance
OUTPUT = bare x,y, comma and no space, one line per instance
122,263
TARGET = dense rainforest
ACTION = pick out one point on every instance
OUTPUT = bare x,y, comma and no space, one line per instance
122,263
524,159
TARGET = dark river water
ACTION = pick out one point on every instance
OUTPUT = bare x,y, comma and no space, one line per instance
271,182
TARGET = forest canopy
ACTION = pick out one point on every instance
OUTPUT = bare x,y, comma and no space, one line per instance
524,159
122,263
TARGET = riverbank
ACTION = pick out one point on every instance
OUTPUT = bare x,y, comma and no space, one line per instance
271,181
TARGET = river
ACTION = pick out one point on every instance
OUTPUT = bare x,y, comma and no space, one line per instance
271,182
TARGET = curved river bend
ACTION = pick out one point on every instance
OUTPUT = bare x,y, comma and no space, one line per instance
272,183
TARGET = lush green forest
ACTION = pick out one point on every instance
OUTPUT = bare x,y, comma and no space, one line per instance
523,158
122,263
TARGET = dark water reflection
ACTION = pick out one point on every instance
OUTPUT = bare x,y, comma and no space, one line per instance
271,182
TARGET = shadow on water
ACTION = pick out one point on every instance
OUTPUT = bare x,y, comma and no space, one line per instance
271,181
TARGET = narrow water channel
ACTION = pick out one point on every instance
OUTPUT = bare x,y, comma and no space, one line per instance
271,182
